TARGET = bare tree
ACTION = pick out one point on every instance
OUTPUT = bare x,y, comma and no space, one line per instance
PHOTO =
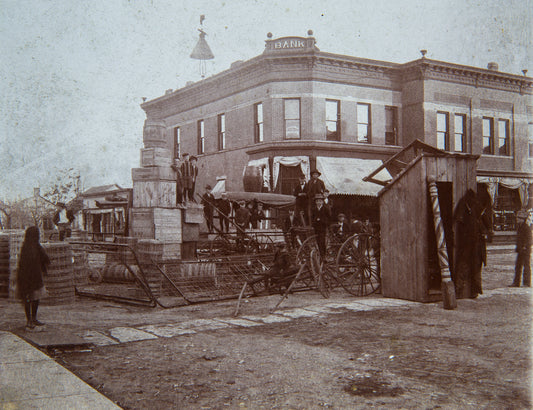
65,187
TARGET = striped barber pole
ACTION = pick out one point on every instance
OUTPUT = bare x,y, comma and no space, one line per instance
447,287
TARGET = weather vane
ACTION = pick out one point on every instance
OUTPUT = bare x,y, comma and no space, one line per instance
202,51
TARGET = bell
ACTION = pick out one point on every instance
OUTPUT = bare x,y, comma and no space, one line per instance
201,50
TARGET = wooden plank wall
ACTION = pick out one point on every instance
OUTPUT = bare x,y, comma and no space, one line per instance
404,224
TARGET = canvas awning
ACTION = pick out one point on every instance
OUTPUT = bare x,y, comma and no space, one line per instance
345,175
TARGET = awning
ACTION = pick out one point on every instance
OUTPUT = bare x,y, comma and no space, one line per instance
492,183
301,161
345,175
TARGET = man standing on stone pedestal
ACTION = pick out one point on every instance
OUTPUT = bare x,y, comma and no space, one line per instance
189,172
179,181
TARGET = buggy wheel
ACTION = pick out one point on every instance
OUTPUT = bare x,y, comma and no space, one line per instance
358,265
304,252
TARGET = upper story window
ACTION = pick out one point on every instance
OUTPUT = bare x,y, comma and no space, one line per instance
459,133
258,123
442,130
503,137
221,125
391,125
530,139
488,135
177,142
292,118
363,122
333,120
201,136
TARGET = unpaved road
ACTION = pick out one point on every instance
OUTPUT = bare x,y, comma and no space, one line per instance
416,356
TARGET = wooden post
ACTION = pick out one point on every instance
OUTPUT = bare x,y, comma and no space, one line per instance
448,290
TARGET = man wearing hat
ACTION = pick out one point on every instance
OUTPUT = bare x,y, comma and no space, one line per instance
301,205
341,230
242,220
189,172
224,211
320,222
208,201
314,187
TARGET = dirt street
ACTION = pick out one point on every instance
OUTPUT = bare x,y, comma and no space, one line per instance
387,355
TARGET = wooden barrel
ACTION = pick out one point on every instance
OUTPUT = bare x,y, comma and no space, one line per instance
59,280
118,273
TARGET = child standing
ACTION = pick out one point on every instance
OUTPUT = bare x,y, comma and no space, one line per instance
31,267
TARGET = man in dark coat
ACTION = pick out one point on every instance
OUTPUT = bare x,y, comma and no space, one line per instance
242,221
189,172
301,203
472,219
523,256
257,216
224,212
341,230
320,215
290,222
315,186
208,201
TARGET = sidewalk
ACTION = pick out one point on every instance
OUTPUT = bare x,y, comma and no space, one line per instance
30,379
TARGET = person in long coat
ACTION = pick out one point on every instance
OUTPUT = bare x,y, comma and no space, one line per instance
523,255
320,216
208,202
32,264
224,212
301,203
473,224
315,186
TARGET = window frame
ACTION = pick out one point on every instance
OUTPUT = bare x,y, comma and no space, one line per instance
299,119
259,129
221,131
445,134
394,110
177,142
506,138
368,124
337,121
200,129
490,137
461,135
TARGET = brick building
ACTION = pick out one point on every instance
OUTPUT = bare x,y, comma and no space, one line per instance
294,108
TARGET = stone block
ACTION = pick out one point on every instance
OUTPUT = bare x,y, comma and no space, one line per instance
155,157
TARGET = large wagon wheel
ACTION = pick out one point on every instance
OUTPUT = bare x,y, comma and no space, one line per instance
358,265
305,249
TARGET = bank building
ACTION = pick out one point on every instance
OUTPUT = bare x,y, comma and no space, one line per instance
261,124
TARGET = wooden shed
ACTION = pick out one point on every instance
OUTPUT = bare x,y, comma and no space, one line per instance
409,263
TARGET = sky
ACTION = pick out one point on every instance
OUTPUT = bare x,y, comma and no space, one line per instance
73,73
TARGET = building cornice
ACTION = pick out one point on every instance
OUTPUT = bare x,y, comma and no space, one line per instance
426,69
314,65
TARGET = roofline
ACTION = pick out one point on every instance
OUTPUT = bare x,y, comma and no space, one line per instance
315,54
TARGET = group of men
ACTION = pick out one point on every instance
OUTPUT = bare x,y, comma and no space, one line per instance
186,173
247,215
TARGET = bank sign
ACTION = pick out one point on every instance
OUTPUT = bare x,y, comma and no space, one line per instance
289,42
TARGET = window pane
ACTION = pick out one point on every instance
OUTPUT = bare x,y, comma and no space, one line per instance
259,113
331,130
332,110
503,137
362,113
441,140
362,133
292,129
486,127
460,133
222,123
487,145
441,122
260,132
292,109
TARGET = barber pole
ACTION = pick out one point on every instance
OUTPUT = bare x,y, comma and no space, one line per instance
448,290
